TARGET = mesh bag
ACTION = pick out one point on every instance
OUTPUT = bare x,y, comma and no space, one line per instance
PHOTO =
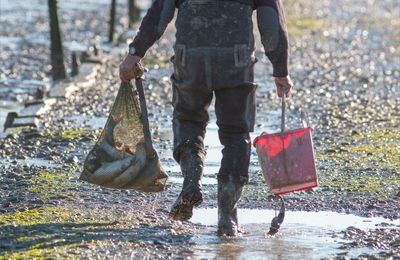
124,157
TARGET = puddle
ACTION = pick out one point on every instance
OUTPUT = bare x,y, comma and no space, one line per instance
302,243
322,219
208,170
204,180
303,234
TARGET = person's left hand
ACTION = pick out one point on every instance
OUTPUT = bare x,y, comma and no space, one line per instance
283,82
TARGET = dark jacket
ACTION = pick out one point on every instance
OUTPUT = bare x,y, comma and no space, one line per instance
270,20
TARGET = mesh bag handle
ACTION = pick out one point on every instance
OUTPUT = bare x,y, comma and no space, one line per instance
150,151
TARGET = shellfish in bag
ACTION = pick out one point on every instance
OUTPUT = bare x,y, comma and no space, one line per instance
124,157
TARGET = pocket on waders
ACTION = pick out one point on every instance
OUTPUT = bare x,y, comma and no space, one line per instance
179,61
180,55
235,67
243,56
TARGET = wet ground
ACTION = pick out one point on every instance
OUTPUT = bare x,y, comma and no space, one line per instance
345,65
311,234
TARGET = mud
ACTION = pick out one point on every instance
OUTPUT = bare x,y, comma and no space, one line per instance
346,72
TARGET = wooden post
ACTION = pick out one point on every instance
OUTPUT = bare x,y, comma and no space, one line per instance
112,21
56,56
134,13
75,64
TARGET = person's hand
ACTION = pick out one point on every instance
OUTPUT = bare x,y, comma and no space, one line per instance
283,82
130,68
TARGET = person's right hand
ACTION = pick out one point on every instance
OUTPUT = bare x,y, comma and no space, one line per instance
130,68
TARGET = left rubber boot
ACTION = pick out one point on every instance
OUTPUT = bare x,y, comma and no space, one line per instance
191,195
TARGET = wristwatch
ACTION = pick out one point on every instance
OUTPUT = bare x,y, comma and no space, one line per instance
132,51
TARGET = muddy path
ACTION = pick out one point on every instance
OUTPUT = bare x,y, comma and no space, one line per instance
345,65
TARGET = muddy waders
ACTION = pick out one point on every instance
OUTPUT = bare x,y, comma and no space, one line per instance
214,57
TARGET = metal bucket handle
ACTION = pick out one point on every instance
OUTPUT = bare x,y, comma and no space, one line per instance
278,220
303,116
283,91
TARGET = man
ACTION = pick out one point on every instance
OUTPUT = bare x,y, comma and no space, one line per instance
214,56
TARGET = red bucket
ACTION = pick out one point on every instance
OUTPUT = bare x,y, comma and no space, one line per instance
287,162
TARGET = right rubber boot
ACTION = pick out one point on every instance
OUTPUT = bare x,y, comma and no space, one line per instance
229,192
192,164
232,177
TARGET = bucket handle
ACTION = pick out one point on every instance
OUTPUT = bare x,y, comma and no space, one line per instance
283,91
303,116
303,119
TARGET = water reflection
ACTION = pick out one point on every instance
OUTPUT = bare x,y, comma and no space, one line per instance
204,180
303,234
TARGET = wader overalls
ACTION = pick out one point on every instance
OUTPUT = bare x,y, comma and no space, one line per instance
214,56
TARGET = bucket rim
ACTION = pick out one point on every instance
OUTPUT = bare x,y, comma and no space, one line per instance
279,133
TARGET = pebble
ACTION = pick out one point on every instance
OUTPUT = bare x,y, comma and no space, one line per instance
72,159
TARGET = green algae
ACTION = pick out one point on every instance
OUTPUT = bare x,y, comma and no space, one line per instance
48,250
33,216
48,184
70,134
74,133
365,183
367,161
28,254
53,232
47,176
66,214
377,148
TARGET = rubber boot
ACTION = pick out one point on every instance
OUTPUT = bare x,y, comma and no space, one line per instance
192,164
229,192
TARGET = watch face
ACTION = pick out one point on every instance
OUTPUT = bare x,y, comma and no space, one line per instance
132,50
